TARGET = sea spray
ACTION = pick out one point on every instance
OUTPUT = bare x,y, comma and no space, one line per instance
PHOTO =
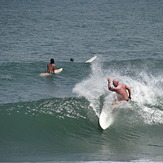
145,89
93,87
147,93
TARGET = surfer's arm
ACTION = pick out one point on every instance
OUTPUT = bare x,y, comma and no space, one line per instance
129,91
110,88
109,85
54,66
47,68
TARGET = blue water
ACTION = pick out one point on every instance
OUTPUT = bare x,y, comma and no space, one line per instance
55,118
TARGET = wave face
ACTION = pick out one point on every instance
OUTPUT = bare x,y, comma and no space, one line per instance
65,125
50,118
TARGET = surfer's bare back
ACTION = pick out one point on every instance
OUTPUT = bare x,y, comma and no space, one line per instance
123,92
51,66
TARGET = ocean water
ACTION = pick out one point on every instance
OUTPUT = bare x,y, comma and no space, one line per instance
56,118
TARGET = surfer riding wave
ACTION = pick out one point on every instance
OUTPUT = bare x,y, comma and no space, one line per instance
123,92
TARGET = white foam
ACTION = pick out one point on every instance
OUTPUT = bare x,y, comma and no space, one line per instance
92,87
145,88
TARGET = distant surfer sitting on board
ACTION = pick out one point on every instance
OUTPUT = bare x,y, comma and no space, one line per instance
51,66
123,92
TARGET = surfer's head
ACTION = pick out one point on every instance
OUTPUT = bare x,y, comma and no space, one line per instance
72,59
52,61
115,82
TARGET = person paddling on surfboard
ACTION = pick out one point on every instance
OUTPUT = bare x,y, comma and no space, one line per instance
123,92
51,66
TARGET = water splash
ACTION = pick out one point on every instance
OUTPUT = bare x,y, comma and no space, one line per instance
145,87
92,88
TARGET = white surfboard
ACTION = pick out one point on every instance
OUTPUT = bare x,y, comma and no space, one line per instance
57,71
106,119
91,59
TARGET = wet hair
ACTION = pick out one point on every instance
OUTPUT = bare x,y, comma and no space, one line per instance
52,61
72,59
